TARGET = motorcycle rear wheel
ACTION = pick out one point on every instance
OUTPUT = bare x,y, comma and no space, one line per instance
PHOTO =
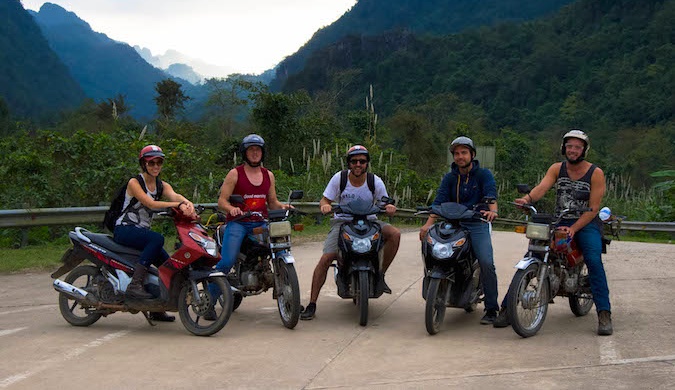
527,314
362,296
581,303
435,308
72,311
288,295
192,314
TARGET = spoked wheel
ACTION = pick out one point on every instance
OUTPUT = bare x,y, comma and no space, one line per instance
288,294
527,311
435,309
205,315
87,278
362,296
581,303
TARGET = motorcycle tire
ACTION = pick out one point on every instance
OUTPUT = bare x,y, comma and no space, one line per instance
527,314
288,295
362,296
581,303
194,315
435,307
73,312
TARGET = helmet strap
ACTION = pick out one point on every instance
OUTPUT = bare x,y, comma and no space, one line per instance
575,161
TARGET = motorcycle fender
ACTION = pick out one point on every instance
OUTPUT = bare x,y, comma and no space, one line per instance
71,259
436,274
203,274
286,258
524,263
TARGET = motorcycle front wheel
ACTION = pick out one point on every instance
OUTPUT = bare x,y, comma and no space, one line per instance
288,295
526,311
581,303
435,309
204,315
85,277
362,296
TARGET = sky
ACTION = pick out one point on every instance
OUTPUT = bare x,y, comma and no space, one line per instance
249,36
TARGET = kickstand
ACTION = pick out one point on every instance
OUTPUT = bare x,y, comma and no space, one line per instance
147,317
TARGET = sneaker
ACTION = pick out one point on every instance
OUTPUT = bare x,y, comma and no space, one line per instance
382,286
605,323
309,312
161,316
489,317
210,314
502,320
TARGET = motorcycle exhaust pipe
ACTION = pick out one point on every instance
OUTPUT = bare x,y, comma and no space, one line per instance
74,292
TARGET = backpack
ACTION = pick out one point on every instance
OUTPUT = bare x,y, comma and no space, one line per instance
370,179
115,210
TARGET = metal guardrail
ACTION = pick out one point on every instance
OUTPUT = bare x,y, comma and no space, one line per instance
23,218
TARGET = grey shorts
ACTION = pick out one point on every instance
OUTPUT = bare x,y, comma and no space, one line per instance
330,245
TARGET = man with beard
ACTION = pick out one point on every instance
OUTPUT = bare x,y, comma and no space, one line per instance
575,173
344,187
468,184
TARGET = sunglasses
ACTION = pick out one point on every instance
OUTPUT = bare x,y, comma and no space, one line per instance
153,163
358,161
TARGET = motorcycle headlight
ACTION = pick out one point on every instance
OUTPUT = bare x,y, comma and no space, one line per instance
362,245
442,250
207,243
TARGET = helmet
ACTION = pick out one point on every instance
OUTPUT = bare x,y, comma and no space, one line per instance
357,150
605,213
252,140
463,141
148,153
578,134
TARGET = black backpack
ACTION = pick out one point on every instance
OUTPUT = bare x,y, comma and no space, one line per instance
115,209
370,179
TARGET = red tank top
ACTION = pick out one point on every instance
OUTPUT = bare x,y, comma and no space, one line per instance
255,197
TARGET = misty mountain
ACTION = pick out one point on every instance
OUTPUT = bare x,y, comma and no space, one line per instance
33,80
103,67
433,17
171,57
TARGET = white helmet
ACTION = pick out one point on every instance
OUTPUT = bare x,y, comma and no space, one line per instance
578,134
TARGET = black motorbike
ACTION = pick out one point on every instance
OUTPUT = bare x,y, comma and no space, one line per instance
360,244
451,271
265,260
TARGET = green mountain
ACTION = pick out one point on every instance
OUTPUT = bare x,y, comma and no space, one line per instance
104,68
33,81
434,17
596,62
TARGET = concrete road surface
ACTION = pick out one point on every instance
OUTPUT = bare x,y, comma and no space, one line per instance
38,349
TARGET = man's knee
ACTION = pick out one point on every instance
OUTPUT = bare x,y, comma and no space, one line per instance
325,261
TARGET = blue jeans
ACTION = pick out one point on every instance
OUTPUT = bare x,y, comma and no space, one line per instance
151,244
589,239
233,236
481,244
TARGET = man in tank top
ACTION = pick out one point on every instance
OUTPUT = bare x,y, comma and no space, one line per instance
575,173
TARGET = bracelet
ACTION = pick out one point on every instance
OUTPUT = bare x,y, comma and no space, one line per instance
529,196
182,202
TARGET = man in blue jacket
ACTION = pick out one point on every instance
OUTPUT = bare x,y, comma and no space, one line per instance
468,184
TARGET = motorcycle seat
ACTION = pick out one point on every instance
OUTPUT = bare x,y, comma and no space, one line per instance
107,242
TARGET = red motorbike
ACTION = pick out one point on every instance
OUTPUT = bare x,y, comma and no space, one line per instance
179,284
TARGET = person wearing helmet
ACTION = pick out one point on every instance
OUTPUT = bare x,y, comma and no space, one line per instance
568,176
132,228
356,185
469,184
257,186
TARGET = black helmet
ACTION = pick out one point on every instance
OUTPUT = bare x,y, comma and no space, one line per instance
252,140
578,134
463,141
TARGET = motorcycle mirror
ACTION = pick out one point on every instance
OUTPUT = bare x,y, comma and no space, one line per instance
523,188
236,199
295,195
388,200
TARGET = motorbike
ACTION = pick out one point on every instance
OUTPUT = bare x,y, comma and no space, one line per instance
181,283
553,266
265,260
360,244
451,270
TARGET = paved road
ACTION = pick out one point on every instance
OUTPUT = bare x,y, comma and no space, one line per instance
38,349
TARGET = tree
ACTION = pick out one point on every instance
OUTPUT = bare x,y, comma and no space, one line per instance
227,98
170,99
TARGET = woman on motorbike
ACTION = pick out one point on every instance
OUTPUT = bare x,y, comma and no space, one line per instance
132,228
